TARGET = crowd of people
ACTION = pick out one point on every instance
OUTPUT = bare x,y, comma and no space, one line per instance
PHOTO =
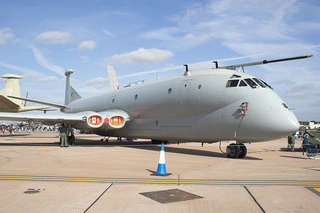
17,128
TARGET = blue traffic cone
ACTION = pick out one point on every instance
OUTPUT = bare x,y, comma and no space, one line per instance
162,163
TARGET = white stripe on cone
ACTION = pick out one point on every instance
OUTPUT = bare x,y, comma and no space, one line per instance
162,159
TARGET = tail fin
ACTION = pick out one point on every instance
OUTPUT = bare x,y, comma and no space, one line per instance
12,88
71,94
113,81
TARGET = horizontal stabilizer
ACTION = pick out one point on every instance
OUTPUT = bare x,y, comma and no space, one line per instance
40,102
7,104
233,67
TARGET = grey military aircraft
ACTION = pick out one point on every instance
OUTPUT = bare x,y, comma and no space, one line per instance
212,105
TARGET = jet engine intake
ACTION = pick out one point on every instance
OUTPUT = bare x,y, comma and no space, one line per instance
117,122
95,121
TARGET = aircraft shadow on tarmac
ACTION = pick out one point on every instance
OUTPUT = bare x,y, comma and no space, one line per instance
156,147
295,150
135,145
284,156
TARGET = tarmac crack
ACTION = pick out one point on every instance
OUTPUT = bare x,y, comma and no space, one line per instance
98,197
254,199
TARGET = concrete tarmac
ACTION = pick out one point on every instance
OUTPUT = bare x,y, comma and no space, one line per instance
36,175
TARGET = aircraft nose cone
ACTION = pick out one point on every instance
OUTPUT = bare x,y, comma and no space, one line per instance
277,124
289,125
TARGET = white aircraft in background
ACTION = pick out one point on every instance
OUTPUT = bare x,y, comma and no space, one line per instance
12,88
212,105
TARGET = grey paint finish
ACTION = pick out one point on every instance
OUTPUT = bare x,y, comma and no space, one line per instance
193,108
196,107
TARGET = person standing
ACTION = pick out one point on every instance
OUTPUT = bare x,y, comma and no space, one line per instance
291,142
63,136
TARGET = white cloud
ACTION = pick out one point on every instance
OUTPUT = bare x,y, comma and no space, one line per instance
5,35
30,74
87,45
41,77
143,56
98,83
163,34
230,22
45,63
108,33
55,37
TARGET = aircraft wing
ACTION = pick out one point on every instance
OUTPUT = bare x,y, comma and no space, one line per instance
115,118
7,104
44,118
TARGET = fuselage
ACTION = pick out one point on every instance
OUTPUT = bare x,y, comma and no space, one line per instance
205,106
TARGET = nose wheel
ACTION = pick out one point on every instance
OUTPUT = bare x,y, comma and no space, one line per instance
236,150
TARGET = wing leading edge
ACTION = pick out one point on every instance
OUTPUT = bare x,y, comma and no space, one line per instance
114,119
44,118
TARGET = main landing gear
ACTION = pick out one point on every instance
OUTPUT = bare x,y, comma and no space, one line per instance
236,150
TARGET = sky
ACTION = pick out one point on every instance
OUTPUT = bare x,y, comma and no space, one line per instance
41,39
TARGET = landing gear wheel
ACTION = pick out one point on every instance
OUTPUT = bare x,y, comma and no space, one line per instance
233,150
243,151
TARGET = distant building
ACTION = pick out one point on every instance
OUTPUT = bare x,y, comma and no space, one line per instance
310,124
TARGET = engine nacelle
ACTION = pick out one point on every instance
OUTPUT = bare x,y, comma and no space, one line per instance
94,120
117,122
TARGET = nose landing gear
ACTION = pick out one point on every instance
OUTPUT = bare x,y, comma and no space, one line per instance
236,150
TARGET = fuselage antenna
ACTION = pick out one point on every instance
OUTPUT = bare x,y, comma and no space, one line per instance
216,65
186,73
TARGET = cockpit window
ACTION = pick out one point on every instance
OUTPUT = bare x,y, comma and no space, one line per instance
251,82
267,84
232,83
259,82
242,84
285,105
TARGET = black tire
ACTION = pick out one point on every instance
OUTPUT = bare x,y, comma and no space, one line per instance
233,151
243,151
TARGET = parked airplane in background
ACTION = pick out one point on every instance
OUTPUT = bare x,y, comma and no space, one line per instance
205,106
12,88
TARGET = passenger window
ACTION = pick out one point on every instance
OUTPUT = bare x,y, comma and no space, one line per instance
259,82
242,84
232,83
251,82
